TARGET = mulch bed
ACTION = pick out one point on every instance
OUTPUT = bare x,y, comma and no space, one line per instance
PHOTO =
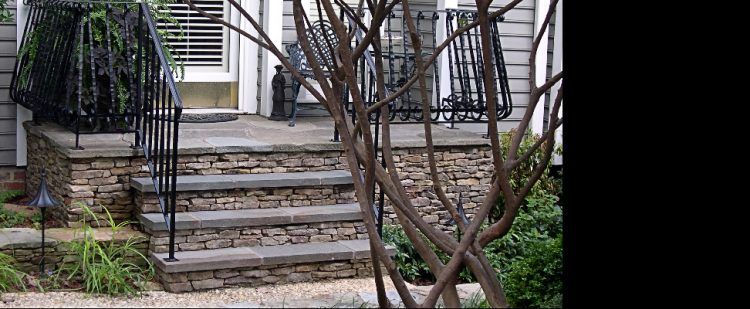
33,283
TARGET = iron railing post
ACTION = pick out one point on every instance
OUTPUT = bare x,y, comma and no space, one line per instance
173,189
139,82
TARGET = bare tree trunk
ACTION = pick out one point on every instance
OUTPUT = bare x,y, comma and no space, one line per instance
358,141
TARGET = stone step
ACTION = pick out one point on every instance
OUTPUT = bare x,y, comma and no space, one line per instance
249,181
250,191
256,227
254,217
208,269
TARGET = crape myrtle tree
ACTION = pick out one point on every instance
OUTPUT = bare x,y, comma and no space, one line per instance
358,141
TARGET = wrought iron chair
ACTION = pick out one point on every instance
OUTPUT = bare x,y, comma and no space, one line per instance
320,36
467,102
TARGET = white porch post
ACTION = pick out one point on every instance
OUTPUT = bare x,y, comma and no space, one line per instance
22,114
537,120
248,62
557,66
443,61
273,16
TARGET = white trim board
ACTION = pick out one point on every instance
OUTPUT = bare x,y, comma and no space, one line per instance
248,63
22,114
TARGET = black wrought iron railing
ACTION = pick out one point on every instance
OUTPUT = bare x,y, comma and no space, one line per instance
467,99
101,67
159,128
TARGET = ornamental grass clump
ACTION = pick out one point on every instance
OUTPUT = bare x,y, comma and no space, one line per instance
10,277
107,267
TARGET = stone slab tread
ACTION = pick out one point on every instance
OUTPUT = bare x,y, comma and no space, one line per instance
254,217
229,258
249,181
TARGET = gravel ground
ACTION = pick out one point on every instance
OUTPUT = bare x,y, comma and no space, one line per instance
212,298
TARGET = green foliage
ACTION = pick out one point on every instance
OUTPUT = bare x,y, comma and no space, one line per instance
539,220
6,195
522,173
5,14
10,277
410,264
535,281
107,267
476,300
9,218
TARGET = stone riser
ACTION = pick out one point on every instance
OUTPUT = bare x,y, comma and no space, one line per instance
262,275
200,239
251,198
258,163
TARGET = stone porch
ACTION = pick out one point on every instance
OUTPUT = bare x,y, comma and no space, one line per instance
252,193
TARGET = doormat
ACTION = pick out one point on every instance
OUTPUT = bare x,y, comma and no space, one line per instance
207,118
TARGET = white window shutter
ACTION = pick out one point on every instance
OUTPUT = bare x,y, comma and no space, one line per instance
205,44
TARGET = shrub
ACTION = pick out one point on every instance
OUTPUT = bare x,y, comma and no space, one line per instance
410,264
539,220
107,267
546,185
6,195
536,280
10,276
10,218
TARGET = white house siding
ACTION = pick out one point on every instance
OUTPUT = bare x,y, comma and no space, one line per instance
550,50
7,106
